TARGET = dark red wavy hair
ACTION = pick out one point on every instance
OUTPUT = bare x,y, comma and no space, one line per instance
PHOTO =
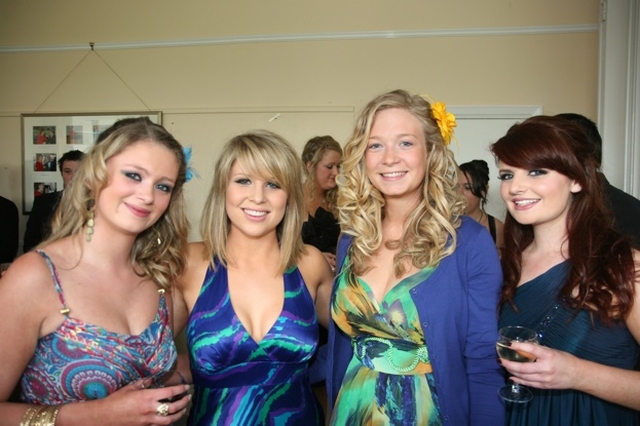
602,275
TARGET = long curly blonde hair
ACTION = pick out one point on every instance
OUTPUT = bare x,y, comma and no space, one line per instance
265,154
430,230
160,262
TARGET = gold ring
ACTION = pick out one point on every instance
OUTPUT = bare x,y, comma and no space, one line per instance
163,409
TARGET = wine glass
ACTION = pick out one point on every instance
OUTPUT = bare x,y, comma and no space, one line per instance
513,391
166,378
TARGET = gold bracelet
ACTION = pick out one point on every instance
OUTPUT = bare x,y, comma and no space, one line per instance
44,415
50,415
29,415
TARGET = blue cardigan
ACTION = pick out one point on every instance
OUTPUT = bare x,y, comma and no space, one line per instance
457,305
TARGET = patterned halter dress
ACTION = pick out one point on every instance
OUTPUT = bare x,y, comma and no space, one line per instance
238,381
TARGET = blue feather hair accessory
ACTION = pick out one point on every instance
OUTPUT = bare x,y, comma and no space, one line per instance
191,172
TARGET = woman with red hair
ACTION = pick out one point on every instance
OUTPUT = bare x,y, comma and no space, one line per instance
569,276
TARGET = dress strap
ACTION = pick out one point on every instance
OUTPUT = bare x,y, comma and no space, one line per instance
163,308
343,250
492,227
56,282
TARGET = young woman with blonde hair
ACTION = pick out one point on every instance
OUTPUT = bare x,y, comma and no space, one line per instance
250,290
414,324
86,315
321,159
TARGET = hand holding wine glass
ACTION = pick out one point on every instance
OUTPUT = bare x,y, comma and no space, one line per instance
165,379
514,392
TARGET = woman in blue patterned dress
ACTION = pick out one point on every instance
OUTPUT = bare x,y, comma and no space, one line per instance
414,322
249,292
86,323
569,276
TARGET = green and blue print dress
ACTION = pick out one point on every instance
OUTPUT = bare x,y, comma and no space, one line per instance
389,380
241,382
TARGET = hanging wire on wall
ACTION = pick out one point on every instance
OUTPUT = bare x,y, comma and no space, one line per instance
92,50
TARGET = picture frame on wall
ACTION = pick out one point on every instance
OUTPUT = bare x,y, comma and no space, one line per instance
46,137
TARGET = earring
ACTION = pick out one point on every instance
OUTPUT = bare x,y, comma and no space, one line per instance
158,239
90,224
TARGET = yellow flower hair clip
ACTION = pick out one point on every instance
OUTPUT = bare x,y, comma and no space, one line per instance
446,121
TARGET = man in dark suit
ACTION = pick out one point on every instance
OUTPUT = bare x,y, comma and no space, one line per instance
50,165
626,208
38,225
8,230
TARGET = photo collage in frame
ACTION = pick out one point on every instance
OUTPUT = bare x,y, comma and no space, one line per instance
46,137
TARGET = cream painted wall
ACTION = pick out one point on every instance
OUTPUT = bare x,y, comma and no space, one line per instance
208,91
31,22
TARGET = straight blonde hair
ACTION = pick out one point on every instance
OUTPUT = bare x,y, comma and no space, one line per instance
270,156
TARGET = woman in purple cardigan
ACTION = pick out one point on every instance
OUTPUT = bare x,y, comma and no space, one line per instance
414,319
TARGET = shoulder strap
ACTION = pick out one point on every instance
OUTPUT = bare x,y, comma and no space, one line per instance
344,242
56,282
492,227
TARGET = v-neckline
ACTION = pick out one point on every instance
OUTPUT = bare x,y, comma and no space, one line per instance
235,313
424,272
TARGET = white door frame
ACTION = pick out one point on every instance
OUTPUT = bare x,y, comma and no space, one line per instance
619,93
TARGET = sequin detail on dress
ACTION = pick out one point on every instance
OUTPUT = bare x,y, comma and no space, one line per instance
577,333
